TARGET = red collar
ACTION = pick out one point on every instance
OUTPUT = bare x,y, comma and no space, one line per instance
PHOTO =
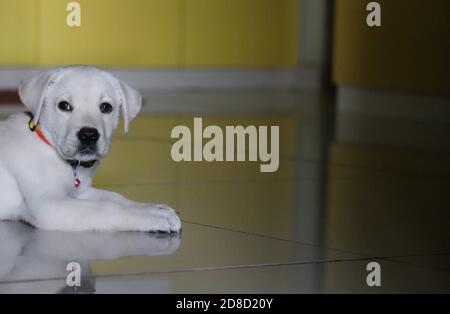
42,136
35,128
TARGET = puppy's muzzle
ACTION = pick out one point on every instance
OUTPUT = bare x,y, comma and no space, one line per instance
88,138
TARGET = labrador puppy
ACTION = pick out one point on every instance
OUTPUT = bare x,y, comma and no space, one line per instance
48,156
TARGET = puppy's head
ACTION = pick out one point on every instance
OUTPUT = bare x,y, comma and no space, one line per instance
78,107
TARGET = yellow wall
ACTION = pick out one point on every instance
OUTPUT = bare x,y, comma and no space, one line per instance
17,32
241,33
409,51
151,33
144,33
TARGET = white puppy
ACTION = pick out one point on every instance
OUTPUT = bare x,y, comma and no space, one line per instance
48,158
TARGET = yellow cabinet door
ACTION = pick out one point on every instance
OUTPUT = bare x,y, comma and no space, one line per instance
112,33
17,32
240,33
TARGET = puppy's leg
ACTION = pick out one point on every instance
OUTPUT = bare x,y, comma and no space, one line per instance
94,194
70,214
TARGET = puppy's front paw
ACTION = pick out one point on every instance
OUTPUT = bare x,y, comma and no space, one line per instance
165,217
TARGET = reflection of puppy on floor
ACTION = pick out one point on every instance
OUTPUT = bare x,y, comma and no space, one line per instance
47,161
28,254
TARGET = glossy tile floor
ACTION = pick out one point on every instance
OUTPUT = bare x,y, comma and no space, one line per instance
313,226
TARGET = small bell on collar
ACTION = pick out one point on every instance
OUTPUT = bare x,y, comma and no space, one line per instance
77,182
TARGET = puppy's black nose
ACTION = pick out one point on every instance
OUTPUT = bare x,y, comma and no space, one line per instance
88,136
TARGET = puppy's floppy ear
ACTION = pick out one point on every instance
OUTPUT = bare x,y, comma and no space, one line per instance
131,103
33,91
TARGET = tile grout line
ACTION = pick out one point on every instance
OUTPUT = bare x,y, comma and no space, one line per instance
236,267
199,269
273,238
437,268
316,245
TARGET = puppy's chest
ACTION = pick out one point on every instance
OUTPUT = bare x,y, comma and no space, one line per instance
65,178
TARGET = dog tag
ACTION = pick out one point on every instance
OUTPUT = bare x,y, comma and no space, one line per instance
77,183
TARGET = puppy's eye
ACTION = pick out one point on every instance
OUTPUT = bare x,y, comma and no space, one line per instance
65,106
106,107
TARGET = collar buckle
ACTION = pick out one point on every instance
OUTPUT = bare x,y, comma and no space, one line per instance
33,126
